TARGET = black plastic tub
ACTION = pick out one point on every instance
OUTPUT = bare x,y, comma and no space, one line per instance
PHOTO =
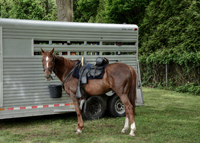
55,91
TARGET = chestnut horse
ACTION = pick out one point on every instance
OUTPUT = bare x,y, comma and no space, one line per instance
119,77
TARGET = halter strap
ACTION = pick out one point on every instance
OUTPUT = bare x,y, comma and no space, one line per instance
52,68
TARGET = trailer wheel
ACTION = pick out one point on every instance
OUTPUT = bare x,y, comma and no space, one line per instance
95,108
116,107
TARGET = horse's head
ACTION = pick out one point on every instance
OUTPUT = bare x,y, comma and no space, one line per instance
48,63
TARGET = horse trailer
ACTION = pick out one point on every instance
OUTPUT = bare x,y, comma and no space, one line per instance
23,88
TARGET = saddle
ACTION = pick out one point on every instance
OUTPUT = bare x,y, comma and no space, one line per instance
90,71
97,69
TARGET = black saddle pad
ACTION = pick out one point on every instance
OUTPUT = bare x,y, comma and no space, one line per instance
76,71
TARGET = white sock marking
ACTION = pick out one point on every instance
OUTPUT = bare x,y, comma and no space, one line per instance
126,123
78,131
133,126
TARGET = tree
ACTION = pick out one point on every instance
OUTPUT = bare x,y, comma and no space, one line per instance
65,10
84,10
5,7
171,28
110,11
125,11
170,34
29,9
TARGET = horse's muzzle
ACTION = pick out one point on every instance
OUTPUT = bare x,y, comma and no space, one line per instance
48,78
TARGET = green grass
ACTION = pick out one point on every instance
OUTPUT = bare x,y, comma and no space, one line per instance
166,117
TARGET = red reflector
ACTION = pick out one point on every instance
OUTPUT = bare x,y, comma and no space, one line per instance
22,107
56,105
135,29
67,104
34,106
45,106
10,108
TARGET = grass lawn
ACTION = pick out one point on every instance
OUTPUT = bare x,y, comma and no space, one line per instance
167,116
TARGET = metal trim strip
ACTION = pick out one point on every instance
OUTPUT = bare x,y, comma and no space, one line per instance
38,106
32,47
68,32
49,25
1,68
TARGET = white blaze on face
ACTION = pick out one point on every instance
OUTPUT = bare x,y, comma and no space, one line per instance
47,58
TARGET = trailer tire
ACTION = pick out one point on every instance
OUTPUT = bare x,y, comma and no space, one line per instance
115,106
95,108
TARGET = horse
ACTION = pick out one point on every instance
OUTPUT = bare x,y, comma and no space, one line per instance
119,77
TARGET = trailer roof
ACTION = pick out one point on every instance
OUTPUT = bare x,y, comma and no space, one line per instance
18,23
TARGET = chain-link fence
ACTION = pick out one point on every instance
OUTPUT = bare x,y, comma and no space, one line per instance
171,76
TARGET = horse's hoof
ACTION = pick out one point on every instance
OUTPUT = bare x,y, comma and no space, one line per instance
132,135
75,130
78,131
123,131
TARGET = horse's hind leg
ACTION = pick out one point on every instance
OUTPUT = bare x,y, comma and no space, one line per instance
129,110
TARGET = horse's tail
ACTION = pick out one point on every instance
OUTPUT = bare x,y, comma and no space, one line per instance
133,86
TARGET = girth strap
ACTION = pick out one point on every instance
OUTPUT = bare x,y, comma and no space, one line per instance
78,90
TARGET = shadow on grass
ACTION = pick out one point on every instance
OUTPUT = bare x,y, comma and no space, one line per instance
26,121
46,119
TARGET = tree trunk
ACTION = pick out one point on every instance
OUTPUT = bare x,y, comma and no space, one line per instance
65,10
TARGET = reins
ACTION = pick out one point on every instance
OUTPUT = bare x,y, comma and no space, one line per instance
54,67
69,75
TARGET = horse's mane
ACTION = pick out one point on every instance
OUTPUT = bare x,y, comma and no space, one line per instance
74,62
67,62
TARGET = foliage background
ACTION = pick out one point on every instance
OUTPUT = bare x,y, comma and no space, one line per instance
169,33
28,9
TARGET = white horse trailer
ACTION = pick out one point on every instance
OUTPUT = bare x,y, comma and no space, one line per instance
23,89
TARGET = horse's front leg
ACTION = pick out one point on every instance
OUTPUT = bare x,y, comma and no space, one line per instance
126,125
78,112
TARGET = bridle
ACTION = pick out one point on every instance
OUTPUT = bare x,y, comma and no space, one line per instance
52,68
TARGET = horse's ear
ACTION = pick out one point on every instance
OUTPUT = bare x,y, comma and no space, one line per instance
42,51
52,51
